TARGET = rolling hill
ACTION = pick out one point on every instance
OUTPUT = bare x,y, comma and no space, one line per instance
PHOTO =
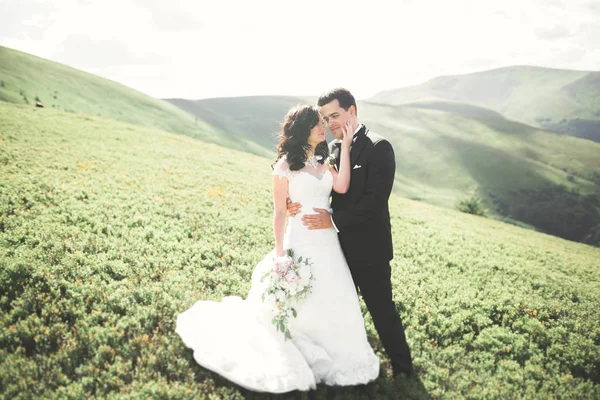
446,152
563,101
108,230
256,118
26,79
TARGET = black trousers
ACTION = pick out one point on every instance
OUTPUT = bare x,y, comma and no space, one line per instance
374,282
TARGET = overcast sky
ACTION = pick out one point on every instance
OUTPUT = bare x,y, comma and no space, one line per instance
197,49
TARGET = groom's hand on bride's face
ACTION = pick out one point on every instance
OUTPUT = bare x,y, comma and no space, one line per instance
293,208
321,220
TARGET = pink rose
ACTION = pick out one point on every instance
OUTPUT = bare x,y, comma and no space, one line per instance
283,264
291,276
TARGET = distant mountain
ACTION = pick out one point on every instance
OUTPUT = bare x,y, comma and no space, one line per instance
563,101
27,79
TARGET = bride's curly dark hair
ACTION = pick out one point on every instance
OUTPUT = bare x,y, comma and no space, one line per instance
293,139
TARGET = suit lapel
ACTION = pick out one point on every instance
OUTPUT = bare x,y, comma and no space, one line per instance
358,146
335,152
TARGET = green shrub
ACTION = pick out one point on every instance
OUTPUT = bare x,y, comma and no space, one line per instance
472,205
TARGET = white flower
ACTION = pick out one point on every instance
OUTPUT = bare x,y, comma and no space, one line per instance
280,294
304,274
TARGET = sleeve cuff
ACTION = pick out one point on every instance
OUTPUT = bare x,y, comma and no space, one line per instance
333,223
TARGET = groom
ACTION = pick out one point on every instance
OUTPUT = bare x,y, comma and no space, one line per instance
362,219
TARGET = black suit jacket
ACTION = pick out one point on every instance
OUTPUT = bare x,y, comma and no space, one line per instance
361,214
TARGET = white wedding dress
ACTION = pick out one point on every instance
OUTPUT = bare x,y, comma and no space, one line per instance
236,338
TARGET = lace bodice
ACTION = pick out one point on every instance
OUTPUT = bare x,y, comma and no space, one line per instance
308,186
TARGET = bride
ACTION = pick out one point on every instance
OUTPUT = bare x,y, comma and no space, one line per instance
236,337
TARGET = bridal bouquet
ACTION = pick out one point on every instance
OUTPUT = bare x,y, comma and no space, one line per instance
288,281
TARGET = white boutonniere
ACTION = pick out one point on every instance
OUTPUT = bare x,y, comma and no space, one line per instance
331,160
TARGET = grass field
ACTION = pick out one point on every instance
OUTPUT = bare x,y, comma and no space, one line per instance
108,230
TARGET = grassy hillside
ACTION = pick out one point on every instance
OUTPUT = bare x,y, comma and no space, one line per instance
465,109
108,230
447,152
562,100
25,79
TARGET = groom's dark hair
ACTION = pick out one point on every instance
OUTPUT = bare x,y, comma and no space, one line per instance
343,96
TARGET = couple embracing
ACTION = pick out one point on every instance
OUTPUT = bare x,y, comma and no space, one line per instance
349,243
